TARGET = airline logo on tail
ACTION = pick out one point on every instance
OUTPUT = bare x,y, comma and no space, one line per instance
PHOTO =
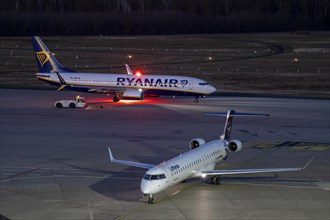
42,56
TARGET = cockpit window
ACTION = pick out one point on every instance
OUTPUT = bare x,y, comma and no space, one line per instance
203,83
154,177
146,176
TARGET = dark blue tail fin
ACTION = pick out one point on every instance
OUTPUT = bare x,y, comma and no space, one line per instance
46,61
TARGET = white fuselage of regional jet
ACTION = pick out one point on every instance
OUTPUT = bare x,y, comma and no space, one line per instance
100,81
187,165
199,161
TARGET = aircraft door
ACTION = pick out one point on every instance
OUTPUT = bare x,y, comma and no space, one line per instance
168,177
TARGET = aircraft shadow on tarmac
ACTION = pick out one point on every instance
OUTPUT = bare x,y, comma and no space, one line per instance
122,185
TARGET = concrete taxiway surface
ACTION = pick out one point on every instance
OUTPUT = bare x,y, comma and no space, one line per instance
55,165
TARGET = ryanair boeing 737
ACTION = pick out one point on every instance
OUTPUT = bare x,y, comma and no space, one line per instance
199,161
122,86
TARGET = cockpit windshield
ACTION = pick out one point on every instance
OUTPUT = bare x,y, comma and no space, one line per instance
154,177
203,83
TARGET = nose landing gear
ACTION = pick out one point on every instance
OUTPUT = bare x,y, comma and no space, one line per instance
196,99
150,199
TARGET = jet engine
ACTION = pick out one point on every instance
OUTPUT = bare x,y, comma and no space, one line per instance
194,143
133,94
234,146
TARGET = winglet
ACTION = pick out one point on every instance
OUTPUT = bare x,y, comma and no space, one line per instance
61,87
128,69
110,155
62,82
308,162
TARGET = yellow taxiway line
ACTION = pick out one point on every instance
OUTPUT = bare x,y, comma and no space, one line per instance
157,201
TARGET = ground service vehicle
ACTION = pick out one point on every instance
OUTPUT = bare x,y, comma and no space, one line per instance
79,102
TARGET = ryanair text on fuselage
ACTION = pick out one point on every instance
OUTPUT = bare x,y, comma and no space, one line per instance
127,81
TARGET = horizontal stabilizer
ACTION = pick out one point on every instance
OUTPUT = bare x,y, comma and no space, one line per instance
229,120
235,114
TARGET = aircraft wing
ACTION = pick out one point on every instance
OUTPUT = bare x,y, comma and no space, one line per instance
247,171
130,163
106,90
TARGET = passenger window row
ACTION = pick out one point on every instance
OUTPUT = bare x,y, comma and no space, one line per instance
194,163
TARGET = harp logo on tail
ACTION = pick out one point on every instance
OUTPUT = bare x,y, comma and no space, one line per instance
43,57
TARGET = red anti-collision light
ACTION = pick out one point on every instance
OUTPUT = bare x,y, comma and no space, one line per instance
138,73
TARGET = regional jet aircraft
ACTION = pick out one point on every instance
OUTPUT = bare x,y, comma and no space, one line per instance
122,86
199,161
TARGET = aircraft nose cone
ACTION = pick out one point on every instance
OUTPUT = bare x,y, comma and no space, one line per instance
145,189
212,89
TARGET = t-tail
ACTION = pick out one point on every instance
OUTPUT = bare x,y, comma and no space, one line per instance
46,61
229,120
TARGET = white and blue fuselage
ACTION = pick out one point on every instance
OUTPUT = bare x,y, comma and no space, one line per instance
187,165
149,84
199,161
126,86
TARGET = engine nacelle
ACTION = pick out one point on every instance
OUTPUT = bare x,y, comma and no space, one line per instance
133,94
234,146
194,143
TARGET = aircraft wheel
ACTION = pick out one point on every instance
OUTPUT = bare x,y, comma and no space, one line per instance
116,98
217,180
151,200
72,105
59,105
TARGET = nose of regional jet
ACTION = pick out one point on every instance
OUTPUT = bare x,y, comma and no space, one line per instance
145,189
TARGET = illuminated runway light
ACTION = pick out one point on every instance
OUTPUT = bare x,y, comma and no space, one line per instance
130,56
296,60
210,58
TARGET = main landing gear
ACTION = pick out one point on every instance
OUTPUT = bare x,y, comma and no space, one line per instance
151,199
116,98
216,180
